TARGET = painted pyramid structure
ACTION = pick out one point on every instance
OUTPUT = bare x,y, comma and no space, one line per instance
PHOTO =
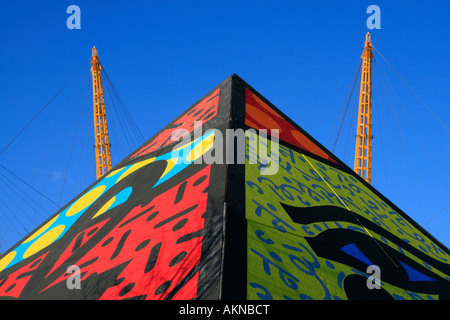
231,200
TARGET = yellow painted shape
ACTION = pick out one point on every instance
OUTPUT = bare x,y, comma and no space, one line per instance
41,230
85,200
135,167
44,241
181,146
105,207
111,173
201,148
6,260
170,164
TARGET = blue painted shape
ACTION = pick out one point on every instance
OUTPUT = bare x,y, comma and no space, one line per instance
260,233
263,296
340,279
353,250
415,275
181,157
121,197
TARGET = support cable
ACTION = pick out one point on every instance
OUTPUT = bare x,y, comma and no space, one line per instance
127,113
423,102
404,146
24,198
353,119
355,77
112,110
417,136
5,208
43,108
351,212
39,192
346,108
73,145
378,112
436,214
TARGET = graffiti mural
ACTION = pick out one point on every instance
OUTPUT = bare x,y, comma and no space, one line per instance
171,224
313,231
135,234
259,115
165,225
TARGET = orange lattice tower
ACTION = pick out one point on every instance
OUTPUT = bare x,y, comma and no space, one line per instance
363,151
102,145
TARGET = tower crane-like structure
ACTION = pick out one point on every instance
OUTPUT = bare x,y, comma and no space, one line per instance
363,150
102,145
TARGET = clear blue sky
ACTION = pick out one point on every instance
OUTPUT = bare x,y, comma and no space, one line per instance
162,56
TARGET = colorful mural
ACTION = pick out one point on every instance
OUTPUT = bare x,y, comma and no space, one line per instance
130,254
60,223
137,233
162,225
313,230
259,115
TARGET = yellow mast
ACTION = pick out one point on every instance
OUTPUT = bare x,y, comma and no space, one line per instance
363,151
102,145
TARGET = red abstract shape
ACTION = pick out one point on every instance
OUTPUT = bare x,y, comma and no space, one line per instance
203,112
157,245
259,115
13,285
77,243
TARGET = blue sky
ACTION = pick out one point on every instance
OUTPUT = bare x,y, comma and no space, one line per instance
162,56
